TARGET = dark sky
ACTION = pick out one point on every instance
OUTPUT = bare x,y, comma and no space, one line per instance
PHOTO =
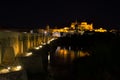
58,13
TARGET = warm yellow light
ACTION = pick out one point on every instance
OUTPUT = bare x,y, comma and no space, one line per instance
83,54
65,52
72,25
37,48
100,30
52,39
40,46
43,43
2,71
48,42
28,54
16,68
9,68
83,23
49,58
61,51
66,28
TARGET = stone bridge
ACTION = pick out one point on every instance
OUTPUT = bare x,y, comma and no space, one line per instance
15,44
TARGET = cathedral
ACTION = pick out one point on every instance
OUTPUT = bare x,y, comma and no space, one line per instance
81,26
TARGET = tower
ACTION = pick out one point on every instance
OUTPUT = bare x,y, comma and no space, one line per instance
76,28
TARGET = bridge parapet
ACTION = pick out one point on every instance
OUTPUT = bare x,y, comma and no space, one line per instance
13,44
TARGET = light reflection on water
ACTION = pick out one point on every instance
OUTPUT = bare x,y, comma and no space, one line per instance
68,55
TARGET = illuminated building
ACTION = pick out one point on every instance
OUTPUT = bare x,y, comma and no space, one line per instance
82,26
100,30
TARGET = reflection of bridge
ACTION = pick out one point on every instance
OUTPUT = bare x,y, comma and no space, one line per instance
14,44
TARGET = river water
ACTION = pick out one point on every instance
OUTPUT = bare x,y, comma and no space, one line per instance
90,57
61,64
86,57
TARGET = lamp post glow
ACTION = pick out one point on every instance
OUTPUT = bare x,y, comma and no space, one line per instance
3,71
48,57
16,68
40,46
28,54
37,48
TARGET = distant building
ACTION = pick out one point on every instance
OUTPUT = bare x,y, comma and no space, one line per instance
81,26
100,30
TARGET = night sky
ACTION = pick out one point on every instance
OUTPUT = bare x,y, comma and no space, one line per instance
34,14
